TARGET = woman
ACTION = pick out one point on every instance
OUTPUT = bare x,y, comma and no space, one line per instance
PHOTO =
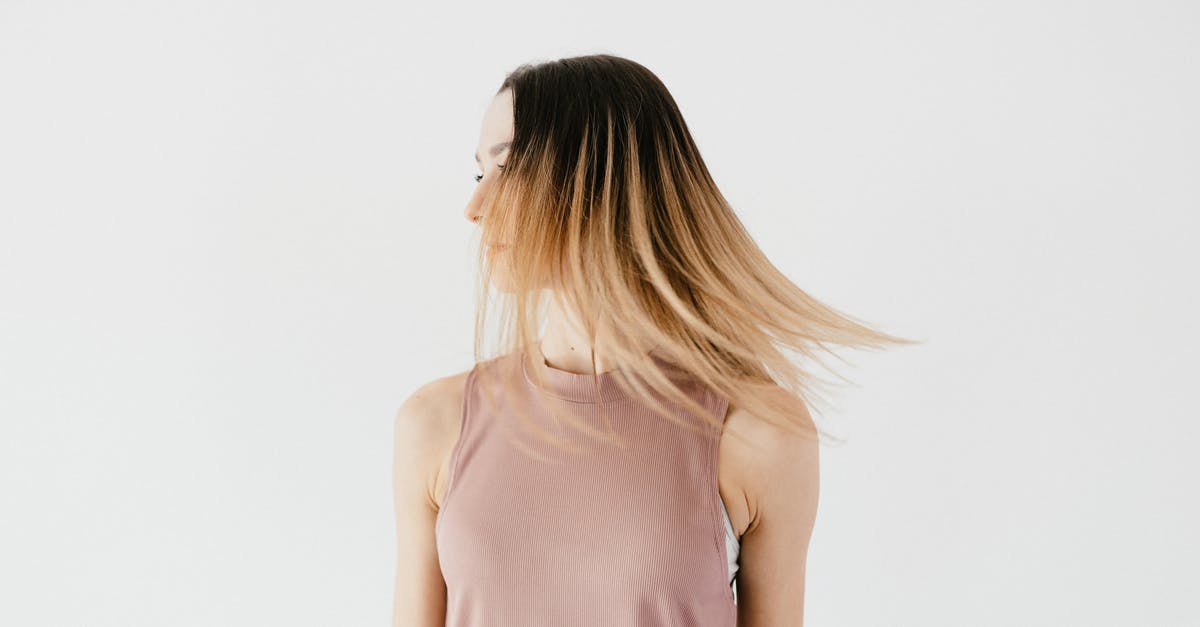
652,447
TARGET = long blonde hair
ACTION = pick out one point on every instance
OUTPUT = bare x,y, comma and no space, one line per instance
604,195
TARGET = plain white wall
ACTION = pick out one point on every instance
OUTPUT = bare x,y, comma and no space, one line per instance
232,242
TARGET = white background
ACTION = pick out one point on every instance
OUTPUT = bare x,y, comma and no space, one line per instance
232,243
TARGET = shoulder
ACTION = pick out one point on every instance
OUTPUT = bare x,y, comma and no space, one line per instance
432,402
426,425
772,464
765,433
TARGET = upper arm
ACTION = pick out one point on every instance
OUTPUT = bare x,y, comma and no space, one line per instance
782,482
420,434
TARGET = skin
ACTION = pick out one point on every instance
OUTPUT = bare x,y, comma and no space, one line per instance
768,478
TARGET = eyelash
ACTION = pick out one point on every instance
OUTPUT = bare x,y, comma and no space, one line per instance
479,177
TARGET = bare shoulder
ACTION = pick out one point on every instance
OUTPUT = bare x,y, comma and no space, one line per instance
428,402
423,425
427,425
775,468
760,459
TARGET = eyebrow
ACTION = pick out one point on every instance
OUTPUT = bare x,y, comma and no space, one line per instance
494,150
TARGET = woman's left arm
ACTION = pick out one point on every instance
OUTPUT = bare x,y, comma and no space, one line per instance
781,490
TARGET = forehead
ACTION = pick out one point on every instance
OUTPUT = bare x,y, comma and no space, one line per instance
497,126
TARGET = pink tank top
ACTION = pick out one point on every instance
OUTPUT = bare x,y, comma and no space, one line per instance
602,537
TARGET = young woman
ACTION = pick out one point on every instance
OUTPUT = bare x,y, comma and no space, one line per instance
651,446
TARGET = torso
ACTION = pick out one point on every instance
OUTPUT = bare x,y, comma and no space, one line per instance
732,449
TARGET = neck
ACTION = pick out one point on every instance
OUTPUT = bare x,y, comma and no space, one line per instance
566,345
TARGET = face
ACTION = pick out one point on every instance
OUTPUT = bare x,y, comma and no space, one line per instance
495,135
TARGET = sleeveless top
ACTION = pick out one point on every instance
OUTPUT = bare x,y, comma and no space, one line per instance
597,536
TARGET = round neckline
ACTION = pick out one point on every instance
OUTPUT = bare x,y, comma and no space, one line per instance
577,387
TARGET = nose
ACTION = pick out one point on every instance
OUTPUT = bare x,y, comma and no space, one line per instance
472,212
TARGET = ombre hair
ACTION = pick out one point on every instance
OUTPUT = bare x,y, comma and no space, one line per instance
605,203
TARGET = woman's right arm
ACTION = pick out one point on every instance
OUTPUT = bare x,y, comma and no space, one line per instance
420,442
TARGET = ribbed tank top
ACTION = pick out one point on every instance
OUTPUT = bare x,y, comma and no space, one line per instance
602,536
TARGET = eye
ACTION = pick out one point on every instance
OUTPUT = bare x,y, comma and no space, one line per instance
479,177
